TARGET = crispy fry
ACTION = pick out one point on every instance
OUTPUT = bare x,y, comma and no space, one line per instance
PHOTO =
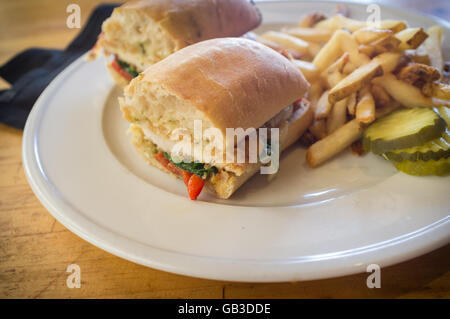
393,25
334,143
365,109
337,116
319,129
314,93
330,52
406,94
384,44
355,81
333,79
380,95
314,49
338,22
418,74
267,42
323,106
348,68
411,38
388,61
287,41
311,19
351,46
309,34
369,35
339,64
308,69
432,46
351,103
333,74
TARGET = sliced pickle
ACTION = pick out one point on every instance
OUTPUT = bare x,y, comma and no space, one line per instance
403,129
433,150
440,167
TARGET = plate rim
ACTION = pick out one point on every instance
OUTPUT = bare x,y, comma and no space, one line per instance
385,253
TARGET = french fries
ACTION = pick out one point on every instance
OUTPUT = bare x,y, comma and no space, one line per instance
341,22
333,74
323,106
432,46
351,103
369,35
404,93
330,52
384,44
351,46
314,93
311,20
360,72
411,38
388,61
337,116
308,69
287,41
355,81
365,109
393,25
334,143
319,129
380,95
309,34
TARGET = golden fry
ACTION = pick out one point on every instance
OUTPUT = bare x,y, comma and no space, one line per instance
355,81
287,41
308,69
406,94
411,38
309,34
369,35
323,106
351,103
334,143
365,109
380,95
337,116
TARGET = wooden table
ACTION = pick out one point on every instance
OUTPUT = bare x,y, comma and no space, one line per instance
35,249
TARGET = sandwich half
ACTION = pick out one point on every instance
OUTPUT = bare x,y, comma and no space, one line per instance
141,33
228,83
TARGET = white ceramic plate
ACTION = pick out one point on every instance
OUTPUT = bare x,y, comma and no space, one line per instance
305,224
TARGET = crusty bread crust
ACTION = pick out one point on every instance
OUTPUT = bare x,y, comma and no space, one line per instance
192,21
233,82
146,31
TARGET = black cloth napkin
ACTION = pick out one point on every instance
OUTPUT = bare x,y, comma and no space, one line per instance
32,70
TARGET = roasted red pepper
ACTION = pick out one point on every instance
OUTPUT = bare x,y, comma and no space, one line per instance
121,71
195,186
193,182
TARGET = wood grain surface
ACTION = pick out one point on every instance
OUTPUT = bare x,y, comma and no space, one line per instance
35,249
